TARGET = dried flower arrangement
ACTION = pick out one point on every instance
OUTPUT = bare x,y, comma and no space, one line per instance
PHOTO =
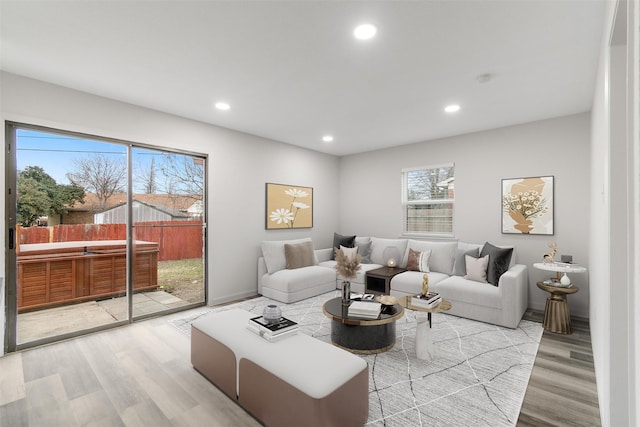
347,266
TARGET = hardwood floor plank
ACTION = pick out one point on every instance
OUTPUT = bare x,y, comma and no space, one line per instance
562,387
47,403
12,381
14,414
141,375
95,409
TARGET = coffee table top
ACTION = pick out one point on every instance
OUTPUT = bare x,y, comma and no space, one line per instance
334,310
445,305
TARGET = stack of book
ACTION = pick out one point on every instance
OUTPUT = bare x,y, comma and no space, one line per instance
430,300
272,331
364,309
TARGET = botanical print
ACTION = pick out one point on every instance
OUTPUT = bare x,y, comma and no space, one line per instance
289,206
527,205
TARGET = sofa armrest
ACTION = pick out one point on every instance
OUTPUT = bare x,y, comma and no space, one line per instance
514,286
324,254
262,270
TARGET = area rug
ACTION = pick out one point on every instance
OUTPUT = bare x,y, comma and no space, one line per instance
478,376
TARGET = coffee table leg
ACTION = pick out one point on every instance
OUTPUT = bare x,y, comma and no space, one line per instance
424,339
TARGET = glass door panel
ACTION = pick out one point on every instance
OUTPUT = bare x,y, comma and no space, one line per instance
167,211
70,268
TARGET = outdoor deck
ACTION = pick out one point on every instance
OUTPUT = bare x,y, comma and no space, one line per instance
59,320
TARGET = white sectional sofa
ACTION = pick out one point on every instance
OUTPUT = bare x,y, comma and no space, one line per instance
502,302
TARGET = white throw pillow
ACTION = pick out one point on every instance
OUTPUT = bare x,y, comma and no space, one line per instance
350,253
477,268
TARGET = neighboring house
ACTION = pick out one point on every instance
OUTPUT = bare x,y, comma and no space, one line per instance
147,207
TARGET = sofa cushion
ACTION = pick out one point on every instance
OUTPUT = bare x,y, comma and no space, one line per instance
340,240
383,249
459,289
410,282
499,260
418,261
476,268
364,249
299,255
289,281
273,253
442,257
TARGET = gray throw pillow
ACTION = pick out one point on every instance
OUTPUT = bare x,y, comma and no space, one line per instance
499,259
364,250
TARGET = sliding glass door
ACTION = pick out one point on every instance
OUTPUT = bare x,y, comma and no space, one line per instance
100,232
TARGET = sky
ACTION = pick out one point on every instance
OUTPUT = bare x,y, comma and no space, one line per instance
55,153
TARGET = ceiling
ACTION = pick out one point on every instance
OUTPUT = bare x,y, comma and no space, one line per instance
292,70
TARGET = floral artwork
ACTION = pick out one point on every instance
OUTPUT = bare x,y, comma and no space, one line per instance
527,205
289,206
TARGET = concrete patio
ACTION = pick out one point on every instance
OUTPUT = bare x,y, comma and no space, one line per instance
59,320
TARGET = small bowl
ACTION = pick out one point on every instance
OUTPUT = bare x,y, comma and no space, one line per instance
387,300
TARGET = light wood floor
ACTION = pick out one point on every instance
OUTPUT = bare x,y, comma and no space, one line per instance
141,375
562,388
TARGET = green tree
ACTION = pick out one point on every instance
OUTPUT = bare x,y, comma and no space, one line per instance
40,195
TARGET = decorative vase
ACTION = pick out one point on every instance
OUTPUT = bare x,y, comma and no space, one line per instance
565,280
272,313
346,292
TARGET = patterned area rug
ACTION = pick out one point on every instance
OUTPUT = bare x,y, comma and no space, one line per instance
478,376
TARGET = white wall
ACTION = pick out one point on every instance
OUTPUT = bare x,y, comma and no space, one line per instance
615,218
239,166
370,190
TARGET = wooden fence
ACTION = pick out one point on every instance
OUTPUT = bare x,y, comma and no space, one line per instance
175,239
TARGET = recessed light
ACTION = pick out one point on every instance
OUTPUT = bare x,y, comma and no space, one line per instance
327,138
222,106
452,108
364,31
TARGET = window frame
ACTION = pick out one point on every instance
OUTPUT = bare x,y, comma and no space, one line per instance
405,203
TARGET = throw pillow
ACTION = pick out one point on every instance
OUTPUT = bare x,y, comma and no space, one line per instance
499,259
364,249
299,255
418,261
460,266
350,253
476,268
340,240
443,254
273,253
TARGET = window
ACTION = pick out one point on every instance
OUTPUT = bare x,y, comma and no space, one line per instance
428,200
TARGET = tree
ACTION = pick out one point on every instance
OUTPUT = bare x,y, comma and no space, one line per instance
183,175
99,174
146,177
39,195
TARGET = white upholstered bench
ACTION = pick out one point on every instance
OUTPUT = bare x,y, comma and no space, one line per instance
295,381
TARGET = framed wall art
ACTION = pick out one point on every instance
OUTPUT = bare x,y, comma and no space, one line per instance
288,206
527,205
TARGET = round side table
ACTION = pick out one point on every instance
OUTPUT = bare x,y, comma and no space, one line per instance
556,310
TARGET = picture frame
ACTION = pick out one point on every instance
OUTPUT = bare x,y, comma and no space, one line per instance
288,206
527,205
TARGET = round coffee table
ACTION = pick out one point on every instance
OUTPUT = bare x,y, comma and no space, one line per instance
362,336
424,339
